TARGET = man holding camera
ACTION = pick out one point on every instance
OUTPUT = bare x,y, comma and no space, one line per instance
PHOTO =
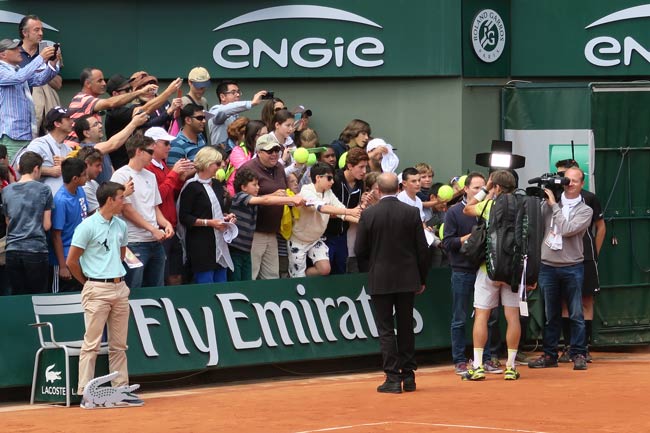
228,109
593,241
17,119
30,30
562,271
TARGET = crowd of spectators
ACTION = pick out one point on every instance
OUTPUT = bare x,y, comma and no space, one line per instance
210,194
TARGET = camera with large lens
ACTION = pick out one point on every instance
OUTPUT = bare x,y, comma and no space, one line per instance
553,181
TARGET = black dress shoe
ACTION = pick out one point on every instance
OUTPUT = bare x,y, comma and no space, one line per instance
409,384
390,387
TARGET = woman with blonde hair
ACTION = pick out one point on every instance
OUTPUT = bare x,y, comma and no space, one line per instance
204,221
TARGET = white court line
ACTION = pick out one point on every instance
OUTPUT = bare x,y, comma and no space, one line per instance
345,427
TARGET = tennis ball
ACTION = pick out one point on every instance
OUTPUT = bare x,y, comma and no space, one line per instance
221,175
311,159
461,181
441,231
301,155
342,160
445,193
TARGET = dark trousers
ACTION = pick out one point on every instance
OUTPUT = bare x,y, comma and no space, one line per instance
398,352
27,272
338,253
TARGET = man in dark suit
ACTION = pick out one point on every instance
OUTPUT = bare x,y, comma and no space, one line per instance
391,239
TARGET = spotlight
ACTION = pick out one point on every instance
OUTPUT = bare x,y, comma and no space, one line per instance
500,157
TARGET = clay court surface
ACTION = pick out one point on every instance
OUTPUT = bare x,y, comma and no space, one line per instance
612,396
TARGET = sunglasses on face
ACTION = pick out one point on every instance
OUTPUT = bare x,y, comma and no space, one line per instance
199,118
149,151
276,109
274,150
329,177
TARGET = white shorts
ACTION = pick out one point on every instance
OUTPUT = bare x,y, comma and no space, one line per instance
298,253
487,292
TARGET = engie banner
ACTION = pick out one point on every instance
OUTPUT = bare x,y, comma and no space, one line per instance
251,39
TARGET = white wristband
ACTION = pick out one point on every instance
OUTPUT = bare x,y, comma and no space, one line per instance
480,196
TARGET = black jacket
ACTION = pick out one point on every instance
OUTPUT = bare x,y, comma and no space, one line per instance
350,197
457,224
390,238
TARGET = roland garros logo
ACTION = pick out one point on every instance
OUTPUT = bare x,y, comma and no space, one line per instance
363,52
488,35
607,51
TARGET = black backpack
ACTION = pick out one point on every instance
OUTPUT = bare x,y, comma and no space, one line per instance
514,239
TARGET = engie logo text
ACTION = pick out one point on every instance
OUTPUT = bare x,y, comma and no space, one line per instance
311,52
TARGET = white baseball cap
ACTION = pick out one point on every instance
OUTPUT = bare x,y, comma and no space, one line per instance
158,133
378,142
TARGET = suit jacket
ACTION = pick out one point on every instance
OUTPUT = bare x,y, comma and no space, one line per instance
390,237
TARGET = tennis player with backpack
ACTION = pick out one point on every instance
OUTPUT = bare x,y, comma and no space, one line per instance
512,233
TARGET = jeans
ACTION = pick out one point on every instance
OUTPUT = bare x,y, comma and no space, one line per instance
213,276
462,289
27,272
557,284
152,273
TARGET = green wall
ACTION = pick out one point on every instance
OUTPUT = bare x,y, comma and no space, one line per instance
481,119
424,118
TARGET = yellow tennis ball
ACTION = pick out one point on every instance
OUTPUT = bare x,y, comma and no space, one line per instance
342,160
441,231
311,160
445,193
461,181
301,155
221,175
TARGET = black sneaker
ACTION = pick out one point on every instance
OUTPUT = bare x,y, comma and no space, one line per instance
579,362
565,357
391,387
544,361
409,383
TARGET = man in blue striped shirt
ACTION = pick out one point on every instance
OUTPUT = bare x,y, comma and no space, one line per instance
17,115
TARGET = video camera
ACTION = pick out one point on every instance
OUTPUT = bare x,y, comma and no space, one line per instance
553,181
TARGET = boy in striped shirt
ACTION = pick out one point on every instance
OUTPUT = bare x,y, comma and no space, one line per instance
244,206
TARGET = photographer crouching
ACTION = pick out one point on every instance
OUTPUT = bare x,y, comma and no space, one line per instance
562,271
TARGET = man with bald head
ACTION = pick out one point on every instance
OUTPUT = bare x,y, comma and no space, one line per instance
390,238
